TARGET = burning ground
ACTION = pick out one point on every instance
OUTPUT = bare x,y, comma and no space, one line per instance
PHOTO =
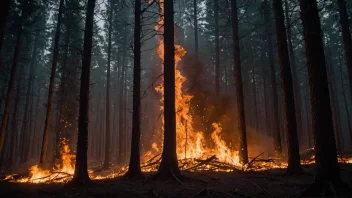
270,183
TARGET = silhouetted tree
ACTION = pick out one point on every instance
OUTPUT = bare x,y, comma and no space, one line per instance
322,124
289,117
107,105
169,166
134,169
346,36
272,78
81,168
243,152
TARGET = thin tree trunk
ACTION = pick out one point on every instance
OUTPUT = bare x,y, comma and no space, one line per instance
347,41
243,152
254,84
325,147
296,84
345,103
276,123
331,80
25,129
81,169
217,48
121,156
134,169
14,123
107,108
5,117
169,165
195,18
289,117
51,87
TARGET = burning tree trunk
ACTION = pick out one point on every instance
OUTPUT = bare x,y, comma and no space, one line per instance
5,117
243,153
217,48
195,18
325,148
107,108
276,123
81,168
347,41
169,166
4,10
134,169
289,117
51,87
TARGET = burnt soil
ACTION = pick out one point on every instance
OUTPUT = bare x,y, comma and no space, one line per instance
272,183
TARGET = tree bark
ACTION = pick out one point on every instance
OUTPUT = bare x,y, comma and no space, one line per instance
134,169
346,36
289,117
169,165
217,48
322,124
243,153
5,117
51,87
107,108
81,169
275,119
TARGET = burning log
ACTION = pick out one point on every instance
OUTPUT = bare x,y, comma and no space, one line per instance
202,162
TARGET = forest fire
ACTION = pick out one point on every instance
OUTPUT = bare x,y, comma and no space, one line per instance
192,151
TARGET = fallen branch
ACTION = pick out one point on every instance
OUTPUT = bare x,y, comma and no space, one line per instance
207,161
151,159
250,163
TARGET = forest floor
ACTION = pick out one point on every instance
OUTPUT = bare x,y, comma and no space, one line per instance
271,183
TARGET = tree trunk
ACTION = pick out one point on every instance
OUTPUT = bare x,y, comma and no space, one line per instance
195,18
296,84
325,148
25,129
134,169
107,108
346,106
217,48
81,169
255,107
5,117
121,155
169,165
15,120
289,116
332,88
347,41
276,123
51,88
4,10
243,153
